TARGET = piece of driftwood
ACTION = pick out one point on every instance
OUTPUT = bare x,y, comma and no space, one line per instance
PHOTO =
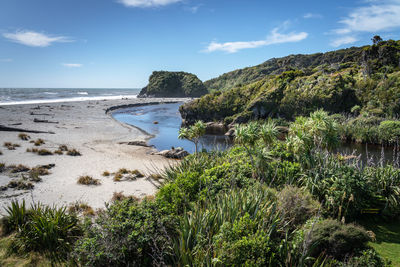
41,114
43,121
12,129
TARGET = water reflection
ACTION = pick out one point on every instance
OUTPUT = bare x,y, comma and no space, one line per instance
164,121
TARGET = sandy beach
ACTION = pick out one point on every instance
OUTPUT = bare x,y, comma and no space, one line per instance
86,127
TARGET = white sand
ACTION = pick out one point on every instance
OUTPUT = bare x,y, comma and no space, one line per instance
86,127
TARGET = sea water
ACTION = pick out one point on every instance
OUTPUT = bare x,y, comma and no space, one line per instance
16,96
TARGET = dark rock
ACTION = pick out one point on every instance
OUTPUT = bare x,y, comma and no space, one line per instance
216,128
136,143
177,153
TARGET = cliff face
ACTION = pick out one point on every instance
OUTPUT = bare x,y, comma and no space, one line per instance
336,81
173,84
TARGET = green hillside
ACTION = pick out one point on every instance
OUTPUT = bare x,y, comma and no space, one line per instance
366,79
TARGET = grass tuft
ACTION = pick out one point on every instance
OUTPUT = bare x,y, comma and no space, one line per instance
24,136
106,173
73,152
39,142
88,180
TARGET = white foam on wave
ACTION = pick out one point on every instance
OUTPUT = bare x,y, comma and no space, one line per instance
82,93
71,99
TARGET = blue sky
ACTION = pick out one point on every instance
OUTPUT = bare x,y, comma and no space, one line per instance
118,43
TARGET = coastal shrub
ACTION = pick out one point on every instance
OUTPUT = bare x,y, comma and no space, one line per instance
73,152
23,136
127,233
296,206
119,196
202,176
88,180
337,240
235,228
125,174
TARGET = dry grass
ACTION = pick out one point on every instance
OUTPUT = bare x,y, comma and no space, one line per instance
80,207
119,196
20,185
58,152
155,176
63,148
24,136
40,171
10,146
44,152
2,167
18,168
73,152
125,174
39,142
88,180
106,173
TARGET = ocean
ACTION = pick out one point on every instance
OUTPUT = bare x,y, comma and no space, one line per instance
16,96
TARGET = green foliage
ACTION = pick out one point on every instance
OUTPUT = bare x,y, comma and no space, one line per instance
296,206
173,84
337,240
127,233
193,133
366,77
390,131
46,230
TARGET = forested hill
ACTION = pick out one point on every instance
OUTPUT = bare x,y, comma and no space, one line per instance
275,66
337,81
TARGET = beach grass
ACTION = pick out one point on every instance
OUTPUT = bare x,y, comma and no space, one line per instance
73,152
24,136
88,180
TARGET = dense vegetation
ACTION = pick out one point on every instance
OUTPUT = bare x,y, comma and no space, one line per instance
173,84
264,202
359,83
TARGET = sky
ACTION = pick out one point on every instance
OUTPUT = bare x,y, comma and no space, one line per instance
119,43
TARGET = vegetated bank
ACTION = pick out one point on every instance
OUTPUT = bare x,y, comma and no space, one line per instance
173,84
264,202
360,84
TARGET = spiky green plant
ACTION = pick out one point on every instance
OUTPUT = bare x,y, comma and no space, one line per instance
193,133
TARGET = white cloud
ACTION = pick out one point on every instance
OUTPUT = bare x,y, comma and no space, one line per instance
147,3
72,65
274,38
35,39
372,18
6,59
344,40
312,16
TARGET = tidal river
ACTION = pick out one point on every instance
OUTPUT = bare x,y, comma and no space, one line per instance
164,120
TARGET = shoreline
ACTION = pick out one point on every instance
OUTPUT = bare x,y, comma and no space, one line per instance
89,127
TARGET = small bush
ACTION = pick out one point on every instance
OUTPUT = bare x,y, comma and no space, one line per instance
24,136
88,180
73,152
2,167
337,240
296,206
15,219
40,171
106,173
117,177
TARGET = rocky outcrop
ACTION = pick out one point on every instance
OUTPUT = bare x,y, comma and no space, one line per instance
173,84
